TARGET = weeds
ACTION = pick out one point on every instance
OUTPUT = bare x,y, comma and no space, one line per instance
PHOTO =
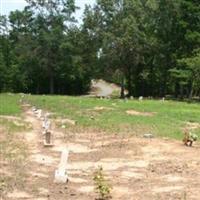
102,187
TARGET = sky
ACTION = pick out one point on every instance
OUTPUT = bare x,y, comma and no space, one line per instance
10,5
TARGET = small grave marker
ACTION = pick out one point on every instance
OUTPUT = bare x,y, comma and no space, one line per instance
34,109
38,113
47,140
148,135
46,124
140,98
61,172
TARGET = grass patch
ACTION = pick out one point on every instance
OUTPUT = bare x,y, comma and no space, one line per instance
9,104
13,151
13,154
169,117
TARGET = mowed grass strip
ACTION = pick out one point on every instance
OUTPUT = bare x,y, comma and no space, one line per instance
167,118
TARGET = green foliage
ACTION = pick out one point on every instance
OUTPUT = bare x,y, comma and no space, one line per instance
43,55
102,187
146,46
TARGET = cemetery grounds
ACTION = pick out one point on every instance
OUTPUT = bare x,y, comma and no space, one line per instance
98,132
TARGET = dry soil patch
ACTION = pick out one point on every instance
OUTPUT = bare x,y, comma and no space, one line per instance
137,113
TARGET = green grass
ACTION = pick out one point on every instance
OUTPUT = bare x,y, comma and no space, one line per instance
13,151
9,104
169,117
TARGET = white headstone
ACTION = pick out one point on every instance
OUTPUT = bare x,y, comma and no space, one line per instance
61,172
34,109
46,124
39,113
140,98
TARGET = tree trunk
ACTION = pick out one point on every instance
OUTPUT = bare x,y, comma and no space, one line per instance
122,95
38,88
51,84
129,84
191,92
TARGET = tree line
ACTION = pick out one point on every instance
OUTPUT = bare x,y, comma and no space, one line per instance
149,47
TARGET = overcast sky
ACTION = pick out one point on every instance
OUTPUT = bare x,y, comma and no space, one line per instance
10,5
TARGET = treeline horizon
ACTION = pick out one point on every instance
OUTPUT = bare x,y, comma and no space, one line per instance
149,47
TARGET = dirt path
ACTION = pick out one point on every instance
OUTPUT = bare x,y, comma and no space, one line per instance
137,168
41,166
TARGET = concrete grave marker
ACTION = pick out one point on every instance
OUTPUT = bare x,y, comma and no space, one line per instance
140,98
61,172
47,139
39,113
46,124
34,109
148,135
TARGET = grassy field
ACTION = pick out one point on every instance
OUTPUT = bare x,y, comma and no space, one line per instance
162,119
167,120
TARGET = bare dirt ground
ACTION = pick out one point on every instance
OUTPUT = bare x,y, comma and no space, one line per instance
137,168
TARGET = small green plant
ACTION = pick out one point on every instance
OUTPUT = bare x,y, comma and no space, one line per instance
102,187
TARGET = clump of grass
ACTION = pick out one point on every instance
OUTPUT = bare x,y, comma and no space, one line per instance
102,187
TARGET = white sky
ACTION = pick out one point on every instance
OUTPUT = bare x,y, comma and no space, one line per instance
10,5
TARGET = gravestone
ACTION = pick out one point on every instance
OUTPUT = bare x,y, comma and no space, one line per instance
38,113
61,172
34,109
140,98
47,139
46,124
148,135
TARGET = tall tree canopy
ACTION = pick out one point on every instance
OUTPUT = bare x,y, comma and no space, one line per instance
151,47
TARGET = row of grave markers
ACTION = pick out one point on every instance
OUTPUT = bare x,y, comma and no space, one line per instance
61,171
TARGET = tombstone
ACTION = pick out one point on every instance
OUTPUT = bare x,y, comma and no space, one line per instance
47,139
148,135
140,98
39,113
46,124
163,99
61,172
34,109
131,98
